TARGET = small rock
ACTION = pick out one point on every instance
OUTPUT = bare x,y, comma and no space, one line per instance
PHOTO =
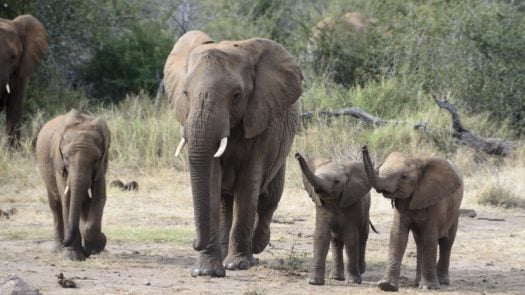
13,285
147,284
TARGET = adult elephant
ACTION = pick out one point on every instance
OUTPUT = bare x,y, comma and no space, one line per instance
426,193
236,104
23,43
72,155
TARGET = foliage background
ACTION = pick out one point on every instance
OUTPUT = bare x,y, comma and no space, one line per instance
471,52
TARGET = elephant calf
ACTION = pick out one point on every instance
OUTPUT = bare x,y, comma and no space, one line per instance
341,193
72,155
426,193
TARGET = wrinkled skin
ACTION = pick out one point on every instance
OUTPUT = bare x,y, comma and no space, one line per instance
72,152
426,193
245,91
23,43
341,193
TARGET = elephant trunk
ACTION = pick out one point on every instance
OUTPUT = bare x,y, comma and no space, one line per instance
79,184
206,141
375,181
320,185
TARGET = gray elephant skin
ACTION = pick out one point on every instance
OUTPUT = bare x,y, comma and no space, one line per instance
23,43
426,193
72,155
236,102
341,192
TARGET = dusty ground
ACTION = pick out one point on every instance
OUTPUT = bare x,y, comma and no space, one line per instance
149,246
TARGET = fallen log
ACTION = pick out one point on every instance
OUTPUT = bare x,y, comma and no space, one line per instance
358,114
491,146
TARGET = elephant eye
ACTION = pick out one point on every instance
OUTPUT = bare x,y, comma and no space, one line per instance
404,176
236,98
336,181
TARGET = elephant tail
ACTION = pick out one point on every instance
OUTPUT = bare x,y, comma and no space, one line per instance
372,226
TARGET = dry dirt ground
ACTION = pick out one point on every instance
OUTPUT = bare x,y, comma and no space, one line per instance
149,246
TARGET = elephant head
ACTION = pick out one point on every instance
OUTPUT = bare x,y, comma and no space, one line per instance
23,43
83,159
220,87
423,180
345,183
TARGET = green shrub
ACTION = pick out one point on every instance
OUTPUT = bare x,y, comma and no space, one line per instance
129,63
499,196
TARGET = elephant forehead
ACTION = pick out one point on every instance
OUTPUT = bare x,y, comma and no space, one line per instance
330,170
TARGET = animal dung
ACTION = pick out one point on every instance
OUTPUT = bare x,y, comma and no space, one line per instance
64,282
130,186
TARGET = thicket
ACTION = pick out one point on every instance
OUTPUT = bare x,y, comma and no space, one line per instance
470,51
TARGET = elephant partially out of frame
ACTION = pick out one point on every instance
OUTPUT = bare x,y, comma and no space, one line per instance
236,104
426,193
72,155
341,192
23,43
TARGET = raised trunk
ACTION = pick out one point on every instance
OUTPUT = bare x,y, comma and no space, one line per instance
369,167
79,184
319,184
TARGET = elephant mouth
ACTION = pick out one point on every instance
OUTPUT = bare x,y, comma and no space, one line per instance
386,194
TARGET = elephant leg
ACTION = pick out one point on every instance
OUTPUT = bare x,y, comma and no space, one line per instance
209,262
226,222
322,236
240,255
353,253
266,206
429,244
445,248
94,238
396,249
58,222
75,251
419,255
14,111
338,267
363,238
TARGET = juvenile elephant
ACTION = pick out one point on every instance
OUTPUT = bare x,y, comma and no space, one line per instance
236,104
72,155
426,193
23,43
341,193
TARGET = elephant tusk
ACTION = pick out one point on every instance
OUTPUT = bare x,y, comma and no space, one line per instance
66,190
89,194
7,88
180,147
222,147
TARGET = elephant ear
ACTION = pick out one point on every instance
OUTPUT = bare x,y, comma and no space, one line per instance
277,85
357,185
103,129
35,41
176,68
438,180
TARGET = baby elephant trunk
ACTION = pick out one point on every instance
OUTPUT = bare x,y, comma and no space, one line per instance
78,185
320,185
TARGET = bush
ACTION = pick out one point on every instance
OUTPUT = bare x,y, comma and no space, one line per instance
129,63
499,196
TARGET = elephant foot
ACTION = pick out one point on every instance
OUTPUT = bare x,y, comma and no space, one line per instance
316,279
429,285
74,254
388,286
239,262
352,278
443,279
95,245
337,275
208,266
261,238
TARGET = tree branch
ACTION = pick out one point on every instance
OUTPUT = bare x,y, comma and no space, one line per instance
492,146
